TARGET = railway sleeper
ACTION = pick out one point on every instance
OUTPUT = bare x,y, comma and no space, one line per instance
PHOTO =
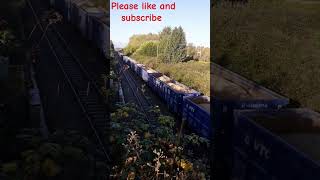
95,107
98,114
96,111
89,98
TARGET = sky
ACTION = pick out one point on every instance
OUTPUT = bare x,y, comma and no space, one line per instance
192,15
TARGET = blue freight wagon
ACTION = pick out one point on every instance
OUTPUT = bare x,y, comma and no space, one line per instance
196,112
147,72
126,60
138,69
132,63
78,15
98,30
160,83
174,92
121,57
231,91
156,81
277,144
94,25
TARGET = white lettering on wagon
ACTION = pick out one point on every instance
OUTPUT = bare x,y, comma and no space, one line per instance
262,149
191,109
254,106
259,147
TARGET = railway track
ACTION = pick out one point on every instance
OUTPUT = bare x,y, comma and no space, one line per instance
84,89
138,96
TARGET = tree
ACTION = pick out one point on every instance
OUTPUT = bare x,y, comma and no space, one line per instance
172,45
148,48
136,41
164,40
191,50
178,45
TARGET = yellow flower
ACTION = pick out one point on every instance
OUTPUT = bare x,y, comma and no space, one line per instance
147,135
131,176
50,168
186,165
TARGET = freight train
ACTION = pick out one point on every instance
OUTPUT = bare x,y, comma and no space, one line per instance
254,136
92,22
184,102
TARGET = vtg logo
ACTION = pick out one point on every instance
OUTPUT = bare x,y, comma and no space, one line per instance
258,147
191,108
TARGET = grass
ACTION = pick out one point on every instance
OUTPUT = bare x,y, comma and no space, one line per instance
195,74
275,43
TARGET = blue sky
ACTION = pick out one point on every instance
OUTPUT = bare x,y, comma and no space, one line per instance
192,15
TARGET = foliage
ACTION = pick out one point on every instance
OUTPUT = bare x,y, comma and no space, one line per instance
148,48
275,43
137,40
191,50
172,45
7,42
10,26
65,154
149,153
166,121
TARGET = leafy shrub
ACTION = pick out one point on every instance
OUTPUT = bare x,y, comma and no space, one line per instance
137,40
64,155
150,153
148,48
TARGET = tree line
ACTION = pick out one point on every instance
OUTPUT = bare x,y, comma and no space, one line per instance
169,46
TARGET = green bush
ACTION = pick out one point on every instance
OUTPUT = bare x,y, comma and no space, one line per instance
148,48
137,40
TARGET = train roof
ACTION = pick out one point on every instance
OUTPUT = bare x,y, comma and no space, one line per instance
178,87
131,60
202,101
229,85
149,70
164,78
284,118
